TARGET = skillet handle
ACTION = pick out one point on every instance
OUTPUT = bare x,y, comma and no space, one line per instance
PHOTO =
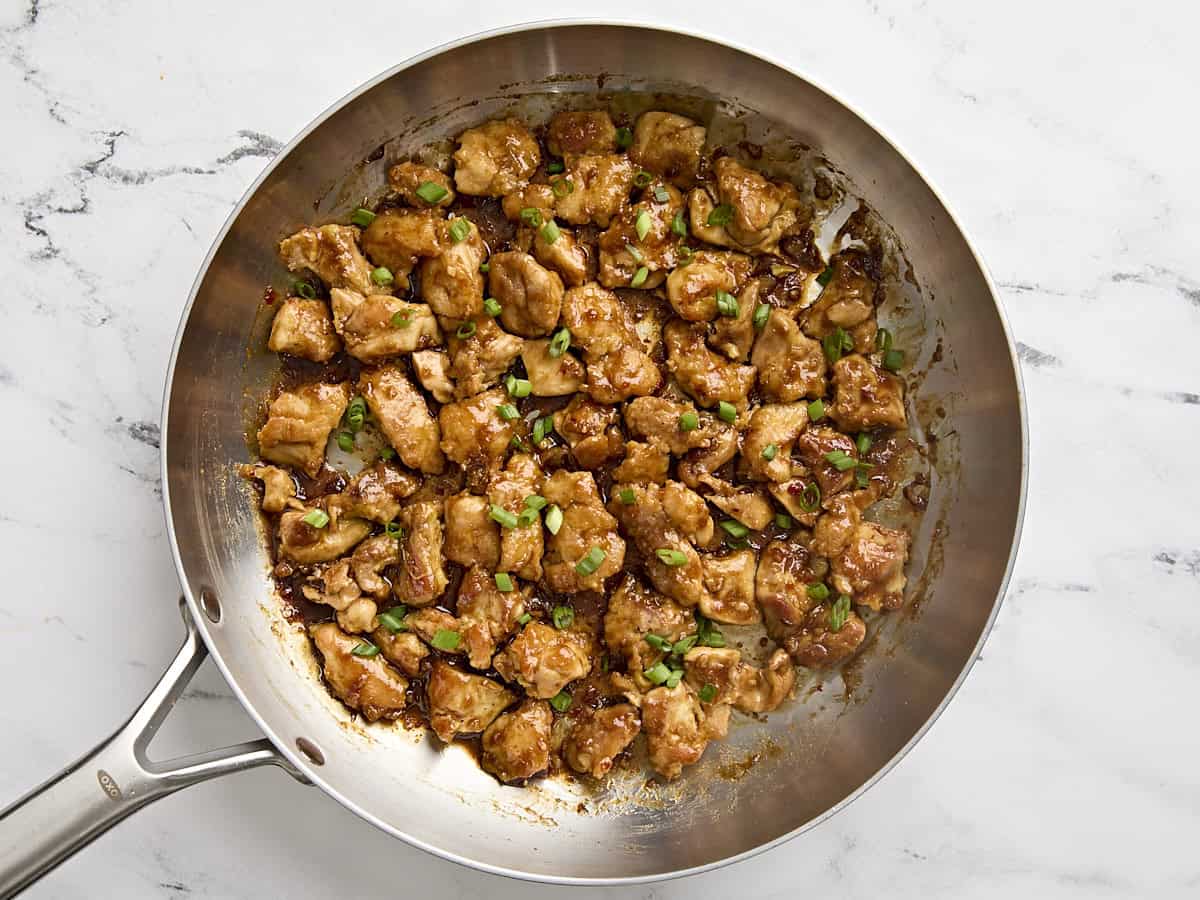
114,780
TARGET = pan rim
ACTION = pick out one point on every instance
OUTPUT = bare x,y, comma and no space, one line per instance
313,773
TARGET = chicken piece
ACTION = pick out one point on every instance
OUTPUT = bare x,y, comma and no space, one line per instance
643,462
618,367
668,145
591,430
381,325
278,485
370,558
797,497
635,611
730,583
402,649
816,645
870,567
305,544
746,687
403,417
707,377
472,538
335,587
407,176
451,283
478,360
749,505
586,525
365,683
517,745
543,660
700,463
375,493
429,622
668,518
487,615
298,425
566,255
656,250
657,419
551,376
813,445
598,188
733,336
761,211
790,365
529,196
432,368
576,132
866,396
463,703
521,547
495,158
847,301
595,741
473,434
421,579
692,289
678,728
836,525
331,252
775,425
304,328
530,296
400,238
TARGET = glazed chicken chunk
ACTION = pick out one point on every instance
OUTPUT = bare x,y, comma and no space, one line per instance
597,187
517,745
408,178
298,425
617,366
635,611
847,301
495,158
422,578
403,417
790,365
463,703
870,567
403,649
668,145
375,493
331,252
400,238
480,357
757,212
746,687
641,238
367,684
278,486
432,368
521,546
381,326
530,296
304,328
472,538
591,431
767,447
451,282
707,377
586,527
730,583
595,741
306,543
584,131
551,376
473,433
658,419
336,587
692,289
543,660
678,728
487,615
866,396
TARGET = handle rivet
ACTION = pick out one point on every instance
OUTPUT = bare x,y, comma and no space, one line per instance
310,751
210,604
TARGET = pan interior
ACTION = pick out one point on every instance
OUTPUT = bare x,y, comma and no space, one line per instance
770,777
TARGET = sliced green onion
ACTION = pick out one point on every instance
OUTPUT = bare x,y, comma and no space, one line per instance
430,192
393,619
492,307
591,562
721,215
362,217
639,277
516,443
560,342
317,518
839,612
762,313
524,619
734,528
305,290
445,639
387,453
502,515
634,252
727,412
657,673
673,679
840,460
642,178
345,440
825,277
554,519
394,530
689,421
678,225
527,517
817,591
816,410
382,276
883,340
709,634
531,216
769,452
661,194
485,267
541,428
810,497
707,694
356,413
561,187
642,225
504,581
862,478
727,304
561,701
508,412
669,557
535,501
459,230
657,642
624,138
783,520
550,232
401,318
555,167
627,496
893,360
562,617
465,330
685,253
683,645
517,387
837,343
365,648
863,443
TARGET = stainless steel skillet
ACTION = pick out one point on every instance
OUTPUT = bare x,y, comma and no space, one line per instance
813,757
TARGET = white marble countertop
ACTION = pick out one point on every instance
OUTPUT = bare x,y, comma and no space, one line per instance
1063,134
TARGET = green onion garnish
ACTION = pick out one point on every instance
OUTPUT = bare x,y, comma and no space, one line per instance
465,330
561,187
362,217
674,679
591,562
657,673
639,277
431,193
394,530
657,642
678,225
661,194
671,557
683,645
459,229
554,519
304,289
508,412
485,267
550,232
837,343
721,215
816,410
734,528
624,138
685,253
560,342
727,304
839,612
561,701
562,617
769,452
492,307
445,639
627,496
516,443
817,591
642,178
504,581
863,443
365,648
387,453
883,340
356,413
535,501
382,276
502,515
727,412
634,252
554,167
345,440
826,276
642,225
762,313
689,421
393,619
810,497
783,520
517,387
531,216
840,460
893,360
862,478
401,319
708,693
524,619
541,428
527,517
317,518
